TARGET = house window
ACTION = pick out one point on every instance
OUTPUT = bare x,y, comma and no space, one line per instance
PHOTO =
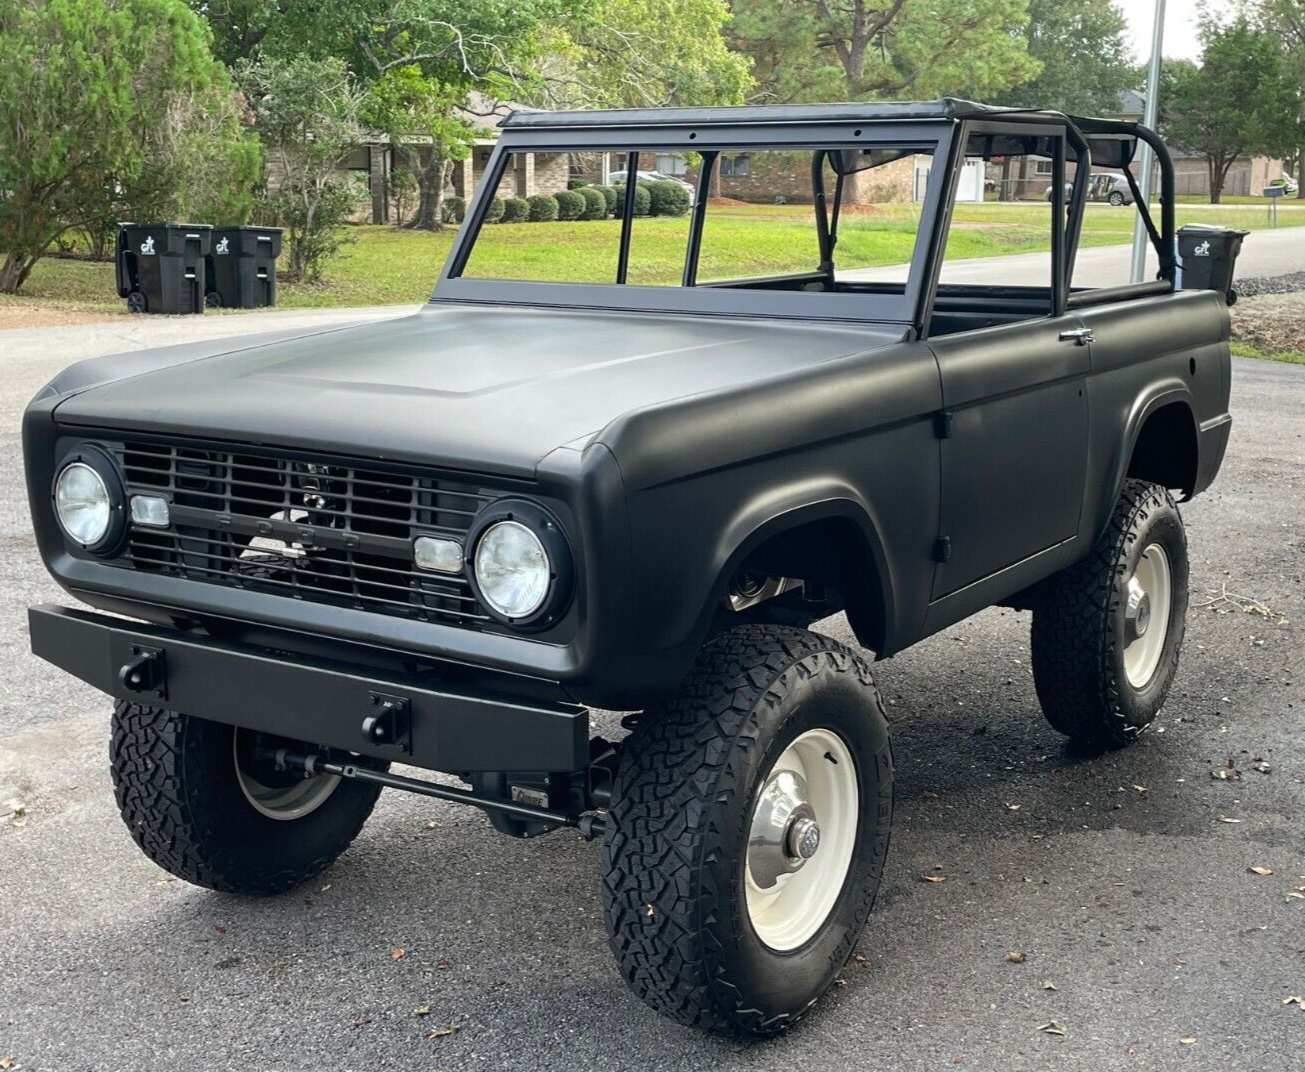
1042,167
671,164
736,166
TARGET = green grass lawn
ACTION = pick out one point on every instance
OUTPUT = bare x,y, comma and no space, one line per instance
386,266
1244,349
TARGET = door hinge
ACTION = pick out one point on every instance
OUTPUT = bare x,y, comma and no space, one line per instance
942,549
942,424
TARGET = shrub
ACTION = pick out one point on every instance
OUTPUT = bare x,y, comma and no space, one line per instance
516,210
642,198
609,195
570,204
543,207
668,198
496,209
576,184
453,210
595,204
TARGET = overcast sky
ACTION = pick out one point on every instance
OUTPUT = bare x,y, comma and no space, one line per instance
1180,25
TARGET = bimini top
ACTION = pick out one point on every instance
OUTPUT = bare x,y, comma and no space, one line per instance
946,108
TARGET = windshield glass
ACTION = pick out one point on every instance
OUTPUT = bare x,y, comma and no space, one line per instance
810,219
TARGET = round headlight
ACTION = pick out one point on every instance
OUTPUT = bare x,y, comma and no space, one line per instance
512,569
83,503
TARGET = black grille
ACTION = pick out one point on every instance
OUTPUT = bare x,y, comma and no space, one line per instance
325,531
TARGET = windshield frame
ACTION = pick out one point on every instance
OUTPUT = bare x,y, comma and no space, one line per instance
895,303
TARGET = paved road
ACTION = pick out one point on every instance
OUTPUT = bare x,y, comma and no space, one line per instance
1264,253
1135,903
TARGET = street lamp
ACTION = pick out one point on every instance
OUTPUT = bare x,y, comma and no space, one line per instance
1147,157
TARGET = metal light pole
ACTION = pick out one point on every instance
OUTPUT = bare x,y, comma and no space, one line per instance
1147,158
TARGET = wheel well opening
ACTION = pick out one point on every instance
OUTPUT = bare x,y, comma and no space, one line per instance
1166,449
833,560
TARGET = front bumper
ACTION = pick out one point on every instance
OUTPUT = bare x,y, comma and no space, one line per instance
408,718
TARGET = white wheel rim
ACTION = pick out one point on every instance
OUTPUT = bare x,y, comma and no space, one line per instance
1148,596
789,896
283,803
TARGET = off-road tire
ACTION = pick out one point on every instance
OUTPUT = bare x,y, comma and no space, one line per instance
1078,626
175,782
676,840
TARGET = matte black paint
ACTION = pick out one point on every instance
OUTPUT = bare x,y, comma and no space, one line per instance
674,431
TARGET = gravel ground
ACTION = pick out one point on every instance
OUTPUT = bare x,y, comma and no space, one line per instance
19,314
1272,321
1122,879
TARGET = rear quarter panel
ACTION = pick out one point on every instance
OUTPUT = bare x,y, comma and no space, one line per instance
1147,354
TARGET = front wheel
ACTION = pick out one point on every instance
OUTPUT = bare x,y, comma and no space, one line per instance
1107,631
748,830
206,802
1116,198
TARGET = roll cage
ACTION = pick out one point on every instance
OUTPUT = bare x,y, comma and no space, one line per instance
952,130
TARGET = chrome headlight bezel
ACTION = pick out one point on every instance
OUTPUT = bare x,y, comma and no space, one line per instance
545,528
102,466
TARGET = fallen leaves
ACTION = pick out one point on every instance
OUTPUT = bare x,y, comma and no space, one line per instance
444,1032
17,814
398,954
1262,765
1014,807
7,1061
1047,984
421,1010
1228,819
1260,870
1016,957
1188,1041
1295,999
934,878
1051,1027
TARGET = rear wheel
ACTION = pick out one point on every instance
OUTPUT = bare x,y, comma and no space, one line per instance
748,830
206,802
1108,630
137,302
1116,198
213,300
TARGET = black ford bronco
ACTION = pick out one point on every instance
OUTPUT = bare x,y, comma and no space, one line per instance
625,463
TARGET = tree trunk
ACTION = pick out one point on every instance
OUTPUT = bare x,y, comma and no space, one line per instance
1216,173
14,273
1300,171
430,195
1004,190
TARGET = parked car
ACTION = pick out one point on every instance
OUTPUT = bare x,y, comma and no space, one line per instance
1113,189
1289,183
618,178
441,540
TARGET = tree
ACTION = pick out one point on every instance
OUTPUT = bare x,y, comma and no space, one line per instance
90,91
307,112
1288,18
643,54
1086,65
1086,59
809,50
1241,100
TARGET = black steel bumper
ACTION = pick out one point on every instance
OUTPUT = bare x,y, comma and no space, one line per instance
405,718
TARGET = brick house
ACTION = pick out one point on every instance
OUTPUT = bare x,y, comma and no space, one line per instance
375,160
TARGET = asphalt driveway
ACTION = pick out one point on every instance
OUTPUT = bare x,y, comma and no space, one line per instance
1123,881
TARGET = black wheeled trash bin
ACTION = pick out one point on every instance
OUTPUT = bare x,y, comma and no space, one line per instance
242,267
1209,256
160,266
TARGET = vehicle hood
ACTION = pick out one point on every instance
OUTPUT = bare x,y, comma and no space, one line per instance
482,388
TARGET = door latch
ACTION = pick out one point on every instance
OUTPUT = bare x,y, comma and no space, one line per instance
1078,336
